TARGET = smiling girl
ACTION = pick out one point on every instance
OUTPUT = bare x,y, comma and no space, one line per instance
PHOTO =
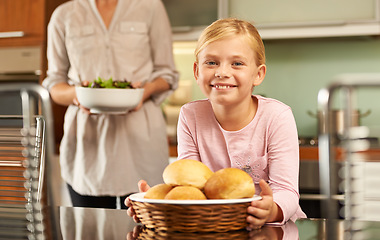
233,128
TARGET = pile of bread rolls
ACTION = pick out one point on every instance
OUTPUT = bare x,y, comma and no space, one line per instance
189,179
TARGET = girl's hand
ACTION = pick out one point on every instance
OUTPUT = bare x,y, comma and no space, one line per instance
135,233
266,232
143,187
265,210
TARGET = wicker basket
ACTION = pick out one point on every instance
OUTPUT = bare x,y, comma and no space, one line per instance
153,234
192,217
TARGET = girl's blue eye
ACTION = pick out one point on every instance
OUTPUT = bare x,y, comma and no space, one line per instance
237,64
211,63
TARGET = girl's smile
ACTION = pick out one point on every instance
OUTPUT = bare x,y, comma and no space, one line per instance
222,86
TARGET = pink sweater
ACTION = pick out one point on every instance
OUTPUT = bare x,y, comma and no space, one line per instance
267,148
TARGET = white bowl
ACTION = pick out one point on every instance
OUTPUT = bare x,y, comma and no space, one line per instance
109,100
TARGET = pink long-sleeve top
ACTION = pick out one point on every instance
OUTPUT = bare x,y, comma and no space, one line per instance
267,148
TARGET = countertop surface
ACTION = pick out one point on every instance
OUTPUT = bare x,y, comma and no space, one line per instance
307,153
312,153
90,223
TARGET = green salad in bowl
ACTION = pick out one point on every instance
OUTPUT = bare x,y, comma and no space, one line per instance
109,96
110,83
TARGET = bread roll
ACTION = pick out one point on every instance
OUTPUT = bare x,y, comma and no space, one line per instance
229,183
158,191
185,193
187,172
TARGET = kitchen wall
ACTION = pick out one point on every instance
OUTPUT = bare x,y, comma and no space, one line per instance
299,68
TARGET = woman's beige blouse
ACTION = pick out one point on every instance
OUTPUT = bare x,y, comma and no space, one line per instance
108,154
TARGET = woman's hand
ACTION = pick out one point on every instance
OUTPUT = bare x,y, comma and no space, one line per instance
76,101
157,86
143,187
265,210
84,109
138,85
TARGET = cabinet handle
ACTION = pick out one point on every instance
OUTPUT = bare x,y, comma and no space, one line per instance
11,34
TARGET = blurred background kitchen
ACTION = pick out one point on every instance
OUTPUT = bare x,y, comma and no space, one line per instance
308,43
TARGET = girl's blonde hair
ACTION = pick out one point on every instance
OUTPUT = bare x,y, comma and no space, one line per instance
230,27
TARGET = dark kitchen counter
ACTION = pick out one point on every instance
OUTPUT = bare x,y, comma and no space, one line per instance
89,223
310,153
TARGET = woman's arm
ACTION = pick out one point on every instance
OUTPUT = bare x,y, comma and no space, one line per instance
161,45
157,86
58,61
63,94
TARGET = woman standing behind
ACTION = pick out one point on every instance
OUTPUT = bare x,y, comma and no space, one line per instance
103,156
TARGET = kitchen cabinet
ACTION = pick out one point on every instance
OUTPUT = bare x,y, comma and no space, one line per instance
173,150
277,19
189,18
23,24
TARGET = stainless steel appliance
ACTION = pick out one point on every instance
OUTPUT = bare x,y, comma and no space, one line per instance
360,163
17,65
309,186
26,201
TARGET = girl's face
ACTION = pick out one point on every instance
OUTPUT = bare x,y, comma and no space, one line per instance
226,71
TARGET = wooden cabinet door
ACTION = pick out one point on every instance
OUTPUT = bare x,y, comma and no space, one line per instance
30,17
22,16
